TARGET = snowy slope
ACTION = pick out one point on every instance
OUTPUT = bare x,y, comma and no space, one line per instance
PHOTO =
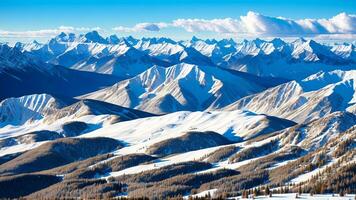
324,134
27,75
17,111
317,133
180,87
235,125
285,111
105,120
306,100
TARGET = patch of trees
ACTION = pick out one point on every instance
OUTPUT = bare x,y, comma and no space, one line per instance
115,164
57,153
233,185
344,147
334,179
126,161
254,152
272,159
69,169
188,142
22,185
160,192
177,185
81,188
221,154
302,165
260,138
165,172
74,128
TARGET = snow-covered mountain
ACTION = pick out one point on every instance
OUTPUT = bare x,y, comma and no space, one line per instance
346,51
87,116
17,111
181,87
23,74
171,51
315,134
293,60
309,99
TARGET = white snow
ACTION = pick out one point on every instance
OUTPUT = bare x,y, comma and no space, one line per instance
304,196
182,86
19,148
203,194
141,133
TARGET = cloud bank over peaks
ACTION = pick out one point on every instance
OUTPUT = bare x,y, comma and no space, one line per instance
44,32
341,26
257,24
141,27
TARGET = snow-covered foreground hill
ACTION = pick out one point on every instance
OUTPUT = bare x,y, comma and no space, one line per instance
225,146
88,117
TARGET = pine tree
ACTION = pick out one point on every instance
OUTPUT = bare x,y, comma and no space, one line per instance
300,190
244,194
267,191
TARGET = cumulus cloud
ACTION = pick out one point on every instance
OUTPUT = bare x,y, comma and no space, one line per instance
227,25
257,24
141,27
250,25
44,33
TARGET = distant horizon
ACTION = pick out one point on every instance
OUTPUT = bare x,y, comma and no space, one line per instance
43,40
328,20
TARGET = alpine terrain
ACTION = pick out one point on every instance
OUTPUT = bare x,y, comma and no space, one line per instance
83,116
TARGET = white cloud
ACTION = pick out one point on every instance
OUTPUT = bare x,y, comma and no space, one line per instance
257,24
250,25
254,24
336,37
141,27
227,25
43,33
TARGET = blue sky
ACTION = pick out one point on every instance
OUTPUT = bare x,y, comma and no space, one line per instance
35,15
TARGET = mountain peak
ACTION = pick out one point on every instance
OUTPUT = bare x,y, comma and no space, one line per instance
113,39
229,41
158,40
195,39
95,37
65,37
62,35
35,42
277,42
258,41
131,40
300,40
212,41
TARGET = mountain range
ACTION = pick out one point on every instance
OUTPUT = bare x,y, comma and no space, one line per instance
87,116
